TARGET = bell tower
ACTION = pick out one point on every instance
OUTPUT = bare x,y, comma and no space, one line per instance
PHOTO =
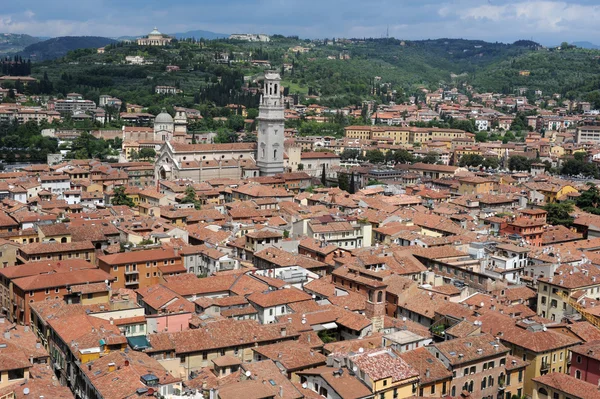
269,152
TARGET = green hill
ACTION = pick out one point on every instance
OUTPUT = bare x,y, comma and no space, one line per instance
59,46
341,73
11,43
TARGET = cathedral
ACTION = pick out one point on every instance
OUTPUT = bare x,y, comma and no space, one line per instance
178,159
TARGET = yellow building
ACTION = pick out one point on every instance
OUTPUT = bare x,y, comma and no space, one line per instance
546,351
553,193
475,185
434,377
385,374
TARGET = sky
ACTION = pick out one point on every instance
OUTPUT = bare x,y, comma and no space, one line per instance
546,21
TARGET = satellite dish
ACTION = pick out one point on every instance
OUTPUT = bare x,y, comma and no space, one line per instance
105,281
25,391
305,385
248,373
404,319
361,350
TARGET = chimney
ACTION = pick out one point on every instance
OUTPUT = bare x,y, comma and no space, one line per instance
427,373
111,367
283,331
126,363
280,391
112,321
7,335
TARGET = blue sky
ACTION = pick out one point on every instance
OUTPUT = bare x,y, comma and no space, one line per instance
545,21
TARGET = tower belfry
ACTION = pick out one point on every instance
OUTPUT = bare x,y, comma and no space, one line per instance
269,156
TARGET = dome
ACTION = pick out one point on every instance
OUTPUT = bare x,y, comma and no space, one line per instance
163,117
155,32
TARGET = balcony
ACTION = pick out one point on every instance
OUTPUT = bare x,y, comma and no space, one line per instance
131,271
545,365
131,282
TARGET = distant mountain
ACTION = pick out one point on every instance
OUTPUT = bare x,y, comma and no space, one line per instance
586,45
199,34
59,46
11,43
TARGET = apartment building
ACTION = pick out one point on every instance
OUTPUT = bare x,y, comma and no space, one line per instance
139,269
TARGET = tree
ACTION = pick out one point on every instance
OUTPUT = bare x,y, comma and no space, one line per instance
224,136
236,123
190,197
430,158
147,153
508,137
481,137
120,198
579,166
589,200
399,156
519,162
471,160
349,153
351,188
375,156
324,177
559,213
343,183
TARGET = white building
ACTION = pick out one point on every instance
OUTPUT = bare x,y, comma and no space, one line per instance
269,158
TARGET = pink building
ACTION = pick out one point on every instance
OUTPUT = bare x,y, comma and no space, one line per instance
585,362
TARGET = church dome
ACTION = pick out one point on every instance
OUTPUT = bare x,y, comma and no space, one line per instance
155,32
163,117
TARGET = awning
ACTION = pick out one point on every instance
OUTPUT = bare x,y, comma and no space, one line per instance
325,326
138,343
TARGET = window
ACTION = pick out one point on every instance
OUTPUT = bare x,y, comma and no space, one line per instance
578,359
30,293
433,389
385,383
271,312
16,374
204,355
466,372
47,291
57,290
115,268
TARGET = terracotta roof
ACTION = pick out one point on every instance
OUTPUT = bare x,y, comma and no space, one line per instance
569,385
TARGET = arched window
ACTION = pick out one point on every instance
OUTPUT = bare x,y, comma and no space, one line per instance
275,91
483,384
263,153
471,386
275,154
370,296
490,381
453,391
578,374
380,296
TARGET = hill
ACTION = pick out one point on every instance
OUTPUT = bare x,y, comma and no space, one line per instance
587,45
59,46
340,73
11,43
199,34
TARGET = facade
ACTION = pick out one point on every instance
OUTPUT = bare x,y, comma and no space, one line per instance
141,269
269,158
154,38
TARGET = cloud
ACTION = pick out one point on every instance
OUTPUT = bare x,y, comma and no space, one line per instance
547,21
